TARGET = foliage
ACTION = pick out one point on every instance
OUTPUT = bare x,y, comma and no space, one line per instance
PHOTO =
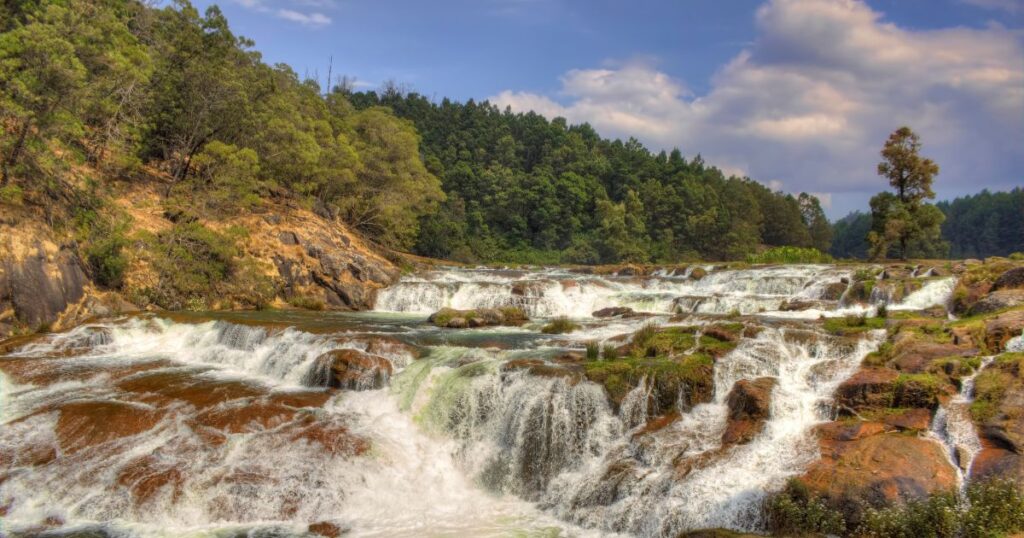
796,511
518,184
190,261
790,255
985,224
560,325
903,223
225,181
609,352
593,351
852,324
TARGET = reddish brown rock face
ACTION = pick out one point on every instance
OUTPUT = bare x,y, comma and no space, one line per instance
85,424
999,330
749,407
864,465
868,388
351,369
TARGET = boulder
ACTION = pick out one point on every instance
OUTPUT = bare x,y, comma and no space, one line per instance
868,388
541,368
1012,279
797,305
613,312
1000,329
482,317
875,468
998,300
834,291
349,369
749,404
326,528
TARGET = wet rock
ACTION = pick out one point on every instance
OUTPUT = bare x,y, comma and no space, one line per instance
541,368
876,469
1000,329
145,477
525,288
698,273
915,419
998,300
1012,279
725,332
613,312
87,423
797,305
481,317
749,404
349,369
868,388
834,291
325,528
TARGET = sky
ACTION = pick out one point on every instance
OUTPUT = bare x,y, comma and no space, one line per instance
796,94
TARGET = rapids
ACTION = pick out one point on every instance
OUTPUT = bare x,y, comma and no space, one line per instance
211,424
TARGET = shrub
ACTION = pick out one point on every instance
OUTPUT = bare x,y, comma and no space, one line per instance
995,507
560,325
306,303
790,255
190,260
937,516
883,311
593,351
643,336
12,194
1017,256
796,511
609,352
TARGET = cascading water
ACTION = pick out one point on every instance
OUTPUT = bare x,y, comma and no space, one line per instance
953,427
151,427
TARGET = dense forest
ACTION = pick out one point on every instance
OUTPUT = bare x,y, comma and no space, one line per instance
522,188
978,226
127,91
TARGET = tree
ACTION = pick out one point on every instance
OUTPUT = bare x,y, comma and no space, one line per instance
815,221
904,220
39,75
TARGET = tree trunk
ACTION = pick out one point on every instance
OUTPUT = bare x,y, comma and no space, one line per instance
903,248
15,153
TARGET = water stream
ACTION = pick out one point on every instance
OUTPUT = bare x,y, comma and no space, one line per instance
207,425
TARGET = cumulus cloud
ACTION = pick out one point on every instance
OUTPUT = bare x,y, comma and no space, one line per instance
810,102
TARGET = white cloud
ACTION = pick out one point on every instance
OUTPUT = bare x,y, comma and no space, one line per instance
815,95
314,20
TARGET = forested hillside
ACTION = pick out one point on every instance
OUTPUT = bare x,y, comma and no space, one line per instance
978,226
523,188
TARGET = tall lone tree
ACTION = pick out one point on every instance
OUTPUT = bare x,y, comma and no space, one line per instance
904,220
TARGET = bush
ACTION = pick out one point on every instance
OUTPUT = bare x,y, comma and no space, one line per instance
306,303
795,511
560,325
12,194
643,336
609,352
593,351
790,255
107,260
191,261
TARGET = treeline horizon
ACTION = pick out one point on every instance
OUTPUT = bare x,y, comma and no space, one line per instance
118,85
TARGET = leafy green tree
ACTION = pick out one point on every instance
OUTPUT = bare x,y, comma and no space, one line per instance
814,219
394,188
904,220
40,76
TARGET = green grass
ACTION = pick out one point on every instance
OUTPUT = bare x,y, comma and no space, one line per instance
851,325
790,255
560,325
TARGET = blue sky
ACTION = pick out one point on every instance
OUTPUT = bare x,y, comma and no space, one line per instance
799,94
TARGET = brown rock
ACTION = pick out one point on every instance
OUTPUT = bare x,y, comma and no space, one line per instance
914,419
1012,279
868,388
350,369
325,528
998,300
1002,328
834,291
749,405
796,306
613,311
877,470
541,368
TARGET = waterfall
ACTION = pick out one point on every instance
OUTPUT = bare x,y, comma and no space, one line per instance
953,427
552,293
